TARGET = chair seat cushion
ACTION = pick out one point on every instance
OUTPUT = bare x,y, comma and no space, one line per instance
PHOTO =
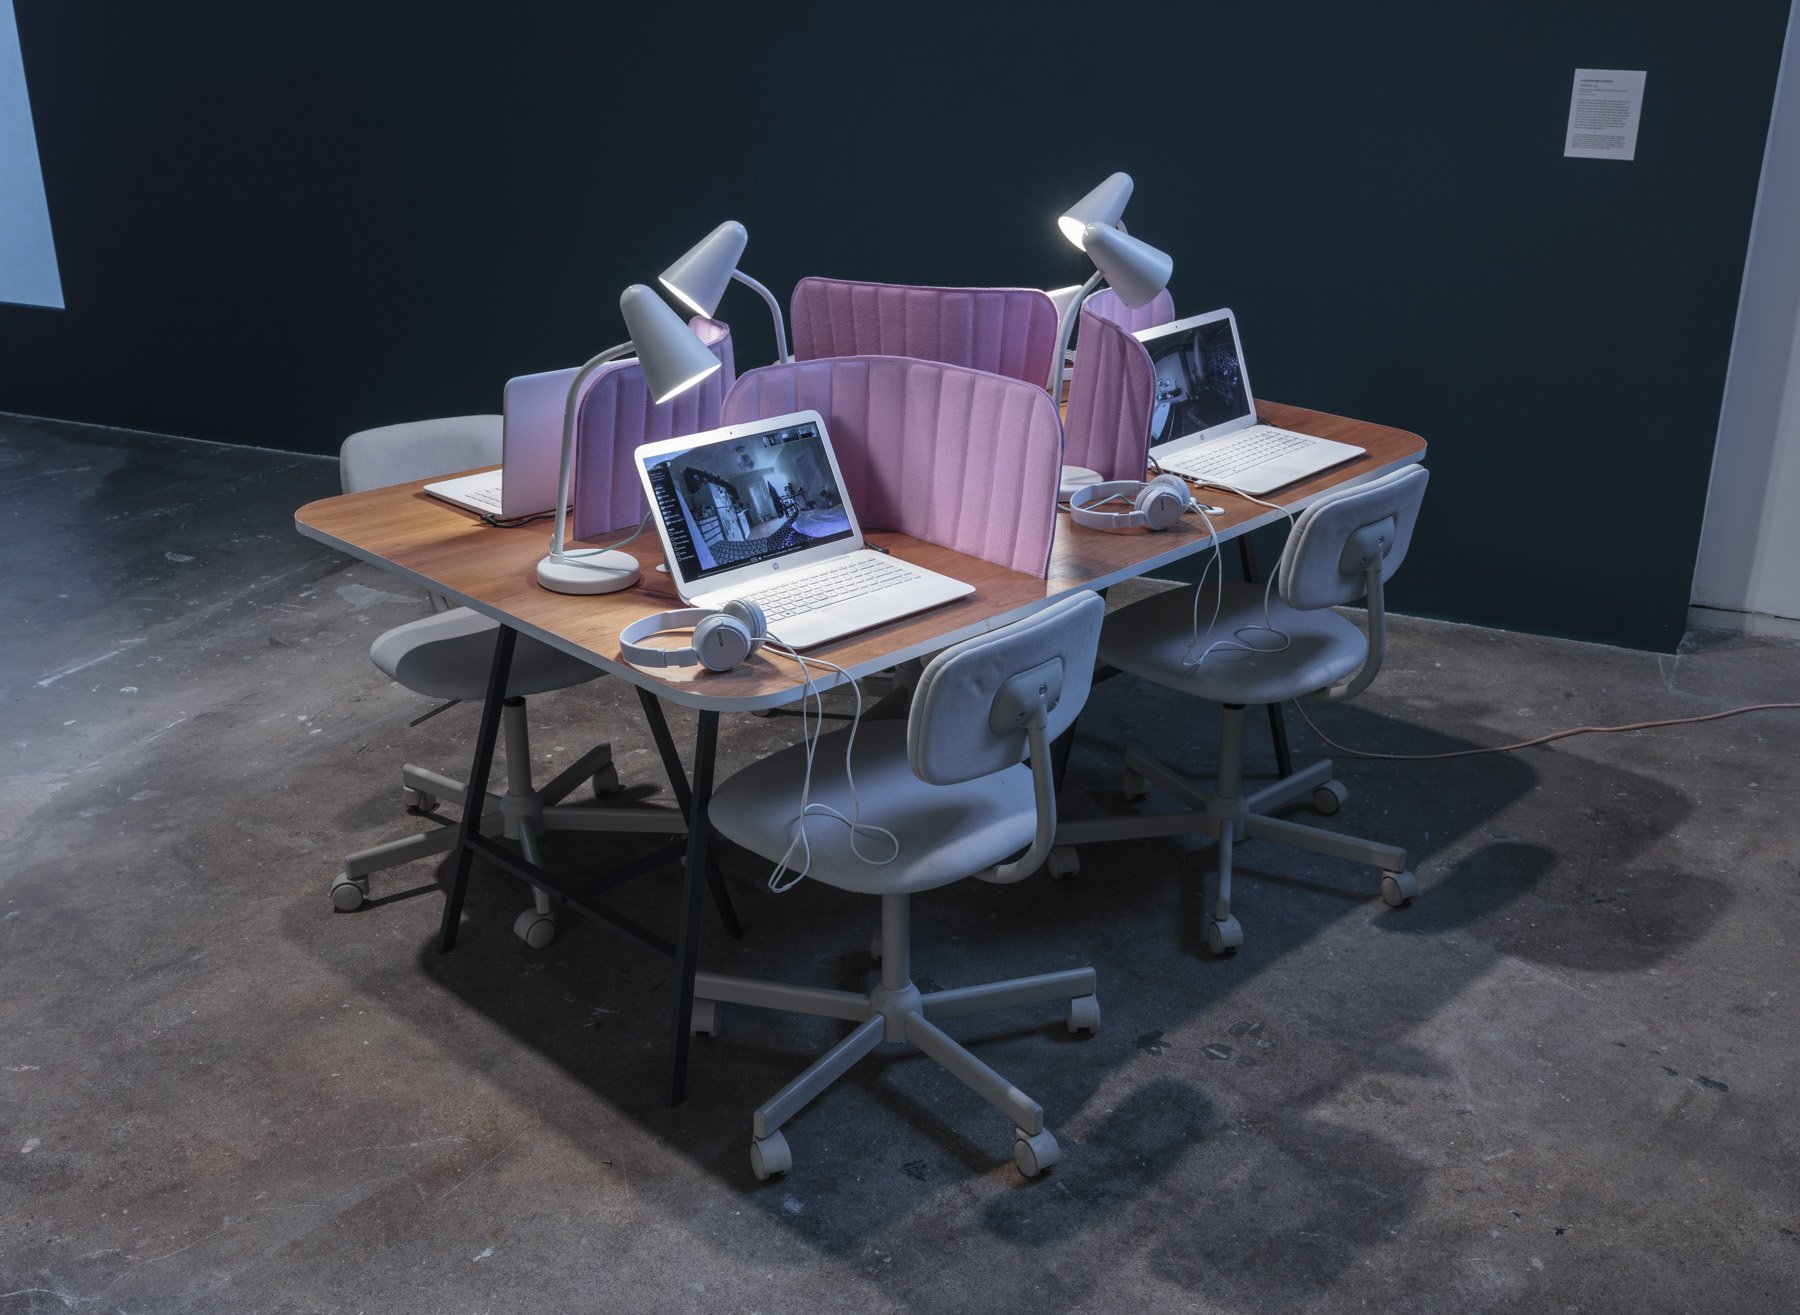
1154,639
447,656
946,833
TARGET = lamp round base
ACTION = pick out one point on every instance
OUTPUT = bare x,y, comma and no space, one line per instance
602,573
1075,478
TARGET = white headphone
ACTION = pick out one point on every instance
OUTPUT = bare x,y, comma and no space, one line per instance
721,639
1158,505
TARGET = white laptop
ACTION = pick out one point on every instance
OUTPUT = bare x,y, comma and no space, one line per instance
1204,425
758,511
530,452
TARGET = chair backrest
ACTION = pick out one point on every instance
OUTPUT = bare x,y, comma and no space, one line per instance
963,723
961,458
1009,331
1106,304
418,449
1347,541
616,416
1111,394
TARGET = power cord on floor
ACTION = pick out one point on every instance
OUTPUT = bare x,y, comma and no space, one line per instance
1542,739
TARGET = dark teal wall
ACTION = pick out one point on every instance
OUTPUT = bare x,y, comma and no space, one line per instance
280,224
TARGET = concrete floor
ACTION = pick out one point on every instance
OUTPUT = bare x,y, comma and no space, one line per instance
1563,1080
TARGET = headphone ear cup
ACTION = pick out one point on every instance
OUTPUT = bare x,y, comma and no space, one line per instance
1175,484
1160,507
751,614
721,641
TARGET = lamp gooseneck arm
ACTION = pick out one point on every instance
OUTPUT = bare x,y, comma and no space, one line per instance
566,470
781,343
1063,332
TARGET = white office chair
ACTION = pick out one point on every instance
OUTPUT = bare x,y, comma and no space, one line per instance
1343,548
948,783
447,656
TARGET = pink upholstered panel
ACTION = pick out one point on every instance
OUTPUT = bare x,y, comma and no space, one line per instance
964,458
1111,393
1009,331
1106,304
617,415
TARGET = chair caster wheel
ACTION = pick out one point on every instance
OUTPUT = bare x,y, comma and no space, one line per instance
705,1019
418,801
875,947
606,782
1035,1152
1063,863
536,929
1224,937
1133,787
764,712
1084,1014
348,892
769,1156
1398,889
1328,798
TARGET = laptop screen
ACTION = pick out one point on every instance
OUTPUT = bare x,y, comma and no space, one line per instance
751,498
1199,380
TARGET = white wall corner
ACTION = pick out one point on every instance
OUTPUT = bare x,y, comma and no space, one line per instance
1749,558
28,271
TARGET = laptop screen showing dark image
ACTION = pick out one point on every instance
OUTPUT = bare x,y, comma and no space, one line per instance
1199,381
744,500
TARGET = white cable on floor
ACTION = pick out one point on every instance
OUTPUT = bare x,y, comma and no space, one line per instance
1542,739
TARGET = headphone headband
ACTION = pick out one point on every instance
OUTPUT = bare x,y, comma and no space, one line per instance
640,654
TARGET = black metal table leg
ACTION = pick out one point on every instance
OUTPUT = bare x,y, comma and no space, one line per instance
678,782
475,795
1284,760
1060,750
687,941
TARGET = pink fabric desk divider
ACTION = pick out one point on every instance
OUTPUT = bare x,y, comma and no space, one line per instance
965,459
1009,331
616,416
1106,304
1111,392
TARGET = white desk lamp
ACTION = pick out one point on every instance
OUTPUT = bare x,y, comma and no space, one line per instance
673,360
700,277
1136,270
1104,205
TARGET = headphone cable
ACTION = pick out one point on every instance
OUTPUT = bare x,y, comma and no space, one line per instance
811,731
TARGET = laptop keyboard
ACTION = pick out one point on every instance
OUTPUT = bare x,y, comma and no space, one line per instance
823,588
1221,459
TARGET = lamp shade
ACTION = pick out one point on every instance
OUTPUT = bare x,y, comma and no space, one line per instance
672,356
700,277
1105,205
1136,270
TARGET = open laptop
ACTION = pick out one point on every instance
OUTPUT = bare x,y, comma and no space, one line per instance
530,451
1204,424
758,511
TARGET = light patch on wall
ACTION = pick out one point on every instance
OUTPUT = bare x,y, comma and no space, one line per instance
28,272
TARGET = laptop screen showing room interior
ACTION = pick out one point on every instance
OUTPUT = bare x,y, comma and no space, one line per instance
1200,380
752,498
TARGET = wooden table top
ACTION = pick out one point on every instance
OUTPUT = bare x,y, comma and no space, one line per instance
452,552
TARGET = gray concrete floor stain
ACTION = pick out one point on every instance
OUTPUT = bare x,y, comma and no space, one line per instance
1561,1080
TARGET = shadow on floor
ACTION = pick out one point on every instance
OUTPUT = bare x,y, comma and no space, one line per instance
879,1148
